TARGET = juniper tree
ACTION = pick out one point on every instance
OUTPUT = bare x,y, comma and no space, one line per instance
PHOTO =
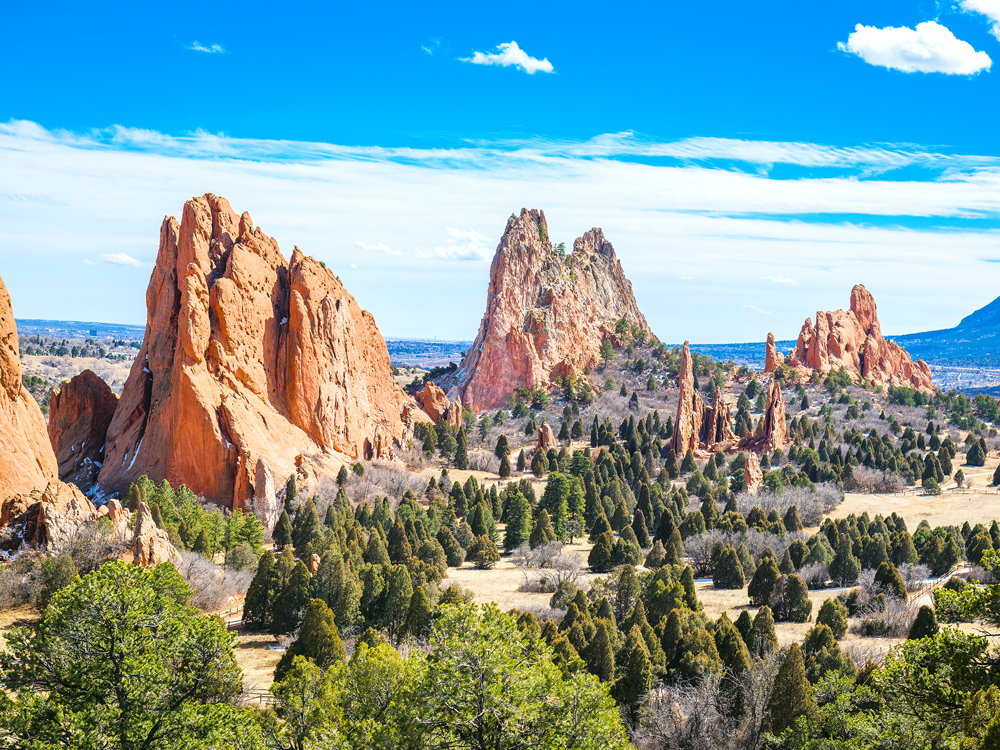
282,533
889,580
518,529
762,584
791,696
318,640
452,549
728,572
290,603
763,639
925,625
418,617
833,614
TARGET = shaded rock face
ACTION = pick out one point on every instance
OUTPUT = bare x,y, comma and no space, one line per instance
773,430
438,406
546,438
79,415
852,339
545,317
246,356
151,545
697,426
772,357
26,459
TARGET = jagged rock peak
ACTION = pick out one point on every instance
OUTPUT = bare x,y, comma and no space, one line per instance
247,357
547,312
26,459
79,415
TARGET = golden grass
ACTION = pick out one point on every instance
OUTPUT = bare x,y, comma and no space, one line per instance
257,659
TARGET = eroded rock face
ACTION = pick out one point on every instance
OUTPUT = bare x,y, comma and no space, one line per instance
438,406
546,438
753,476
264,504
26,459
698,427
852,339
79,415
247,356
773,430
545,317
772,357
151,545
49,518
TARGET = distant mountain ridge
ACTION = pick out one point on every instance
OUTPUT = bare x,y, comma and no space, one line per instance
975,341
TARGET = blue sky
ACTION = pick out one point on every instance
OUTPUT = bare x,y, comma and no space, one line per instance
750,163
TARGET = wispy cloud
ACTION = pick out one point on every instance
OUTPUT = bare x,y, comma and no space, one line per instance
930,48
88,262
376,248
212,49
988,8
120,259
462,244
431,47
780,280
509,54
758,309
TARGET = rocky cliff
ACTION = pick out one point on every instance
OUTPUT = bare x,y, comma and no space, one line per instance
247,356
772,432
26,459
546,315
699,427
79,415
852,339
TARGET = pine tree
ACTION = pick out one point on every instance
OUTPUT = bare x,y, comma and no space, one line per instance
290,603
518,529
318,640
452,549
291,491
504,471
375,553
282,534
418,617
202,546
599,559
157,516
763,582
763,639
656,557
925,624
743,625
845,567
520,460
728,572
833,614
600,656
790,697
888,578
462,451
542,533
632,688
399,549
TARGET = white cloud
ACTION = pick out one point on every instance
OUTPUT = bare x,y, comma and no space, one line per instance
379,248
758,309
462,244
88,262
212,49
779,280
120,259
988,8
507,54
930,48
354,265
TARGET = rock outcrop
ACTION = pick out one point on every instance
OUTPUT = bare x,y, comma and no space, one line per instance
753,476
698,427
150,545
264,503
79,415
852,339
772,433
247,356
772,357
26,459
438,406
546,438
546,316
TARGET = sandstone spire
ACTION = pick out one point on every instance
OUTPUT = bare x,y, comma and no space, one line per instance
546,315
79,415
772,358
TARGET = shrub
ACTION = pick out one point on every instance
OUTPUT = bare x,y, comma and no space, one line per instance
833,614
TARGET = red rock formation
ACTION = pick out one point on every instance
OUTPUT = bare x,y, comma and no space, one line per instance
438,406
852,339
546,438
26,459
545,317
247,356
773,358
48,519
151,545
753,477
79,415
696,426
772,434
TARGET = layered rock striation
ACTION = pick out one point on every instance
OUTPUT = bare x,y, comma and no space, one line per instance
247,356
26,459
852,339
699,427
546,316
79,415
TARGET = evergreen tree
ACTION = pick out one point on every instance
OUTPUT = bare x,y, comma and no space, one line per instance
57,573
792,521
599,559
690,594
483,553
202,546
640,529
399,549
418,617
763,582
729,643
627,594
975,455
744,625
620,519
375,553
599,527
787,565
318,640
656,557
555,500
600,655
452,549
888,578
632,688
395,603
539,463
282,534
833,614
728,572
845,567
504,471
670,464
520,460
462,451
306,527
342,476
795,604
290,603
518,529
925,625
763,639
790,697
291,491
688,465
746,561
542,533
502,447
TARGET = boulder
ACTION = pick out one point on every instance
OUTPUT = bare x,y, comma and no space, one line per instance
313,563
247,356
79,415
546,438
753,477
26,459
151,545
546,314
438,406
852,339
49,518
